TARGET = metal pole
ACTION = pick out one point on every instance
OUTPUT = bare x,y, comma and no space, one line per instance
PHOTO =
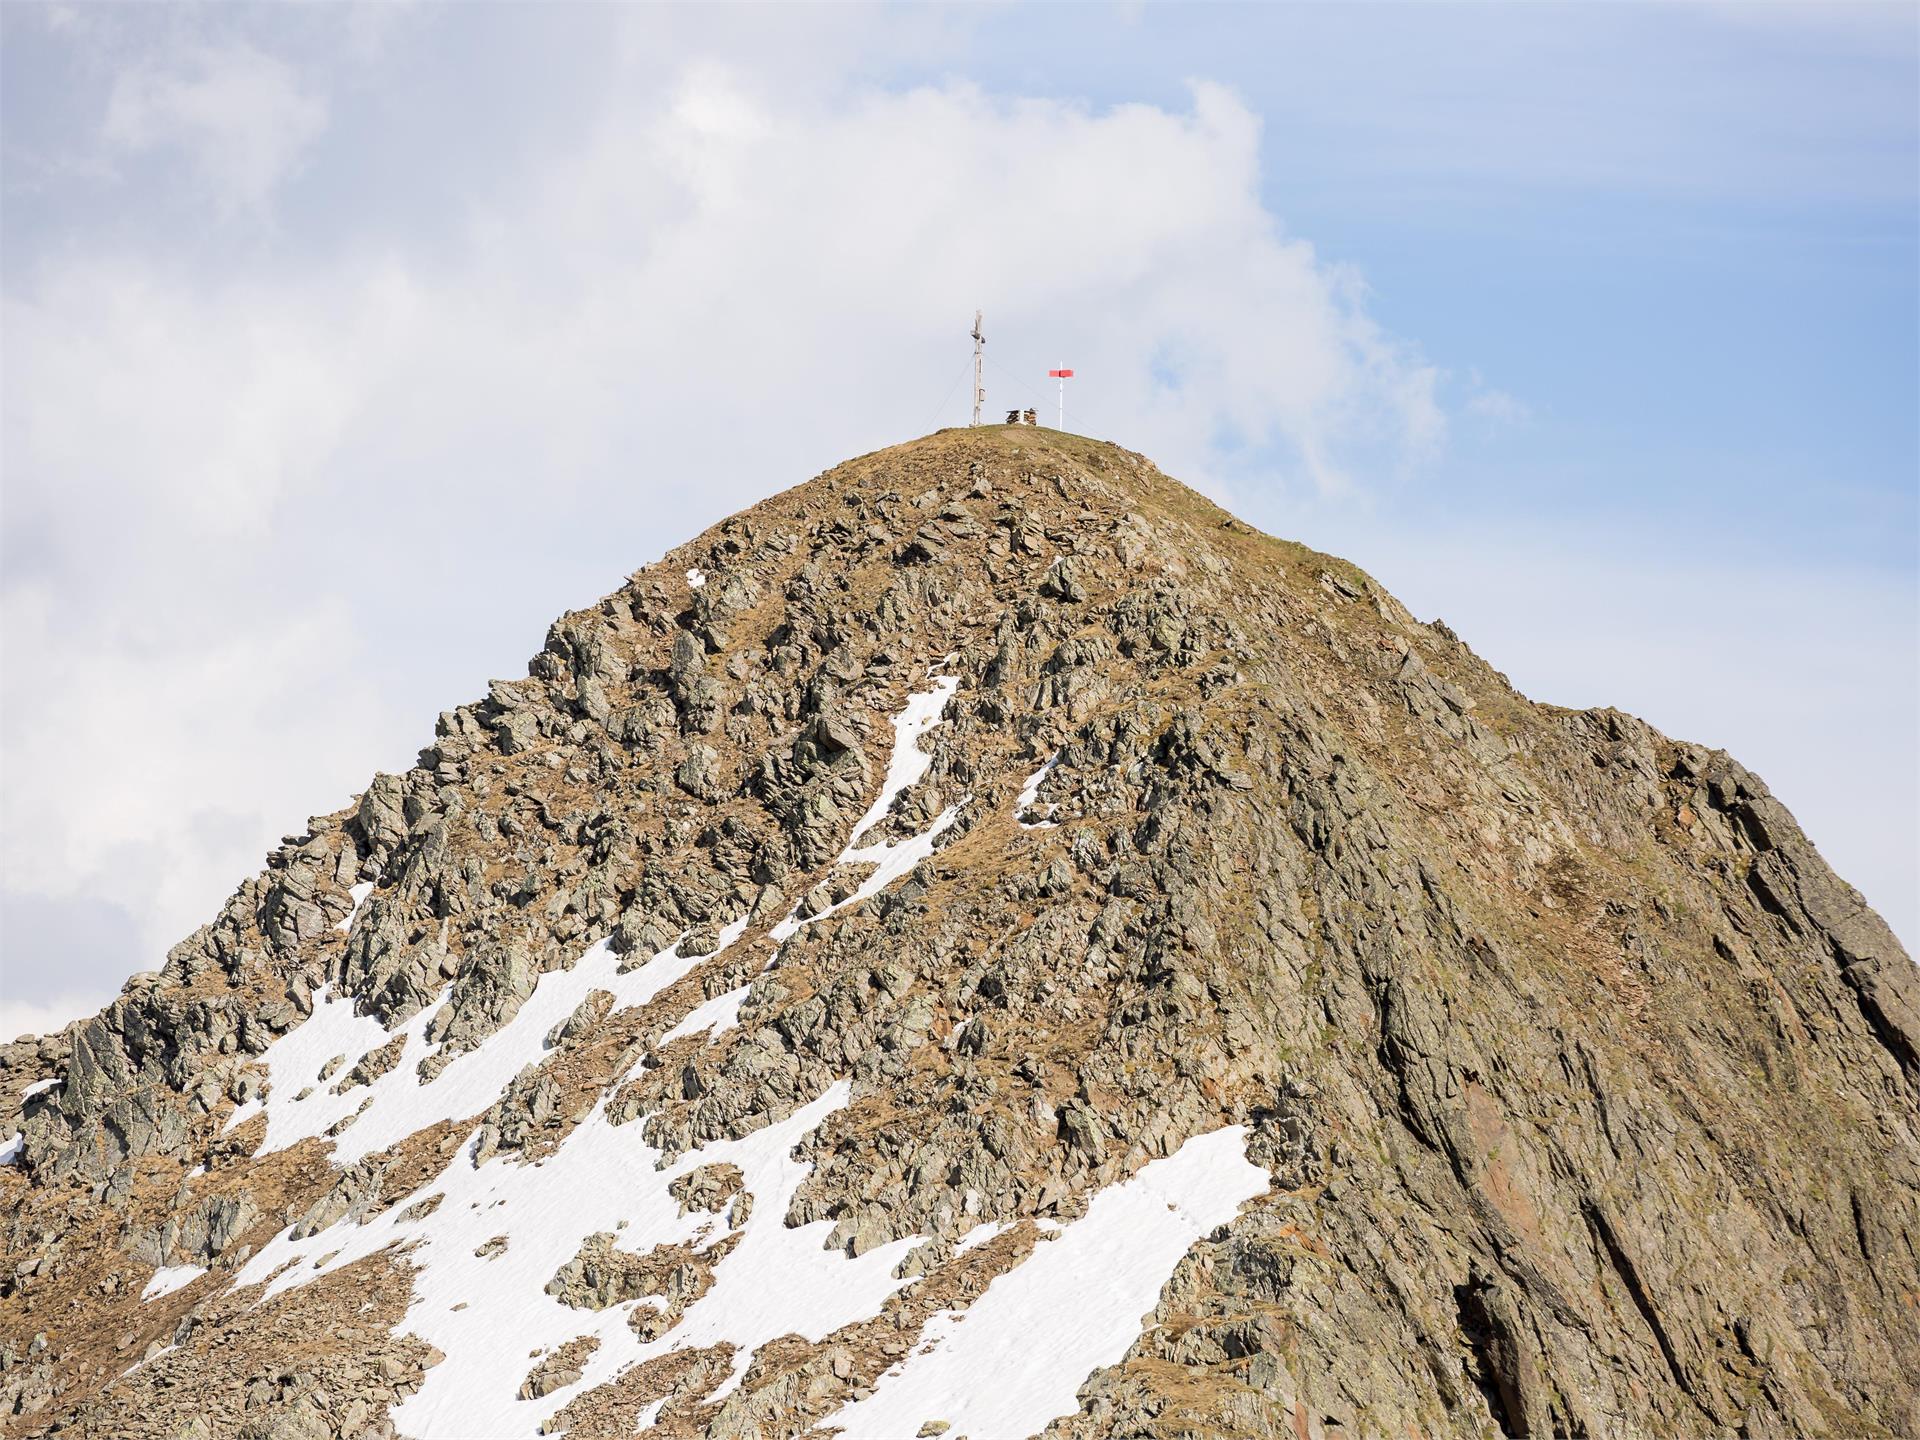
979,389
1063,400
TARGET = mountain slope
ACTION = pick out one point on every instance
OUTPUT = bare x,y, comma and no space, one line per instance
939,917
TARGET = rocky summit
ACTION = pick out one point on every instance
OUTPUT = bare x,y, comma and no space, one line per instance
987,944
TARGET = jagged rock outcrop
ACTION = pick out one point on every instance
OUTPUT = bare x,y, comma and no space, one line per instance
915,880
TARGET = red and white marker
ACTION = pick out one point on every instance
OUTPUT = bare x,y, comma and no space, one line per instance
1062,376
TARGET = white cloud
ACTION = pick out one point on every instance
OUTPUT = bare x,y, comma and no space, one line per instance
241,117
155,769
263,525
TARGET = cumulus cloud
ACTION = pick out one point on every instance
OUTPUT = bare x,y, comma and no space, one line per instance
265,522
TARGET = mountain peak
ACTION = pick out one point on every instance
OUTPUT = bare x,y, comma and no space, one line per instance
936,918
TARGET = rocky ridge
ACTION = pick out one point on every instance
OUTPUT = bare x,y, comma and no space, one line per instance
987,853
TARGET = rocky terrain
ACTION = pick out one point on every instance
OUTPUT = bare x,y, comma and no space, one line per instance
983,944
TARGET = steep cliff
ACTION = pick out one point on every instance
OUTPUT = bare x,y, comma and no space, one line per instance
985,943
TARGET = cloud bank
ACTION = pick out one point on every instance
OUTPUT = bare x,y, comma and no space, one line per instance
266,516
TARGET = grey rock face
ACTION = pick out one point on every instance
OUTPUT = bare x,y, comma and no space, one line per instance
487,995
198,1235
711,1187
562,1368
1586,1090
352,1195
668,1279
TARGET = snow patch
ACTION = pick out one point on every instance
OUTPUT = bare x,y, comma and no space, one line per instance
908,761
11,1150
170,1278
777,1281
889,863
294,1063
1030,793
1028,1343
397,1104
40,1087
718,1015
905,766
979,1235
695,579
359,893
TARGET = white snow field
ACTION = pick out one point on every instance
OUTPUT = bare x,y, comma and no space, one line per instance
1014,1359
299,1104
776,1281
397,1104
1083,1292
169,1278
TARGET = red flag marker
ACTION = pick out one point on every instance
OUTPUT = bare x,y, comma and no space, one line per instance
1062,376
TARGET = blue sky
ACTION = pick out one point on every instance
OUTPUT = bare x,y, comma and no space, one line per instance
1684,236
346,346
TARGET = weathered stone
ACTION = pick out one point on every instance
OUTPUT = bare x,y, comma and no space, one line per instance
1583,1084
562,1368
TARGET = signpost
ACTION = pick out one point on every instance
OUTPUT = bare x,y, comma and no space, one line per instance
1062,376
